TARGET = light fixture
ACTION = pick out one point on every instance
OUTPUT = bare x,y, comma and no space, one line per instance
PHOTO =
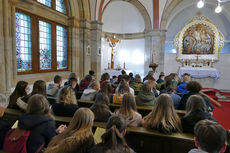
200,4
218,8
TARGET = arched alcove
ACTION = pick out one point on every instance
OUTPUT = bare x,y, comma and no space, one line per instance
116,19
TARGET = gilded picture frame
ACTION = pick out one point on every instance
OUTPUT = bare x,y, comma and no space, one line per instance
199,37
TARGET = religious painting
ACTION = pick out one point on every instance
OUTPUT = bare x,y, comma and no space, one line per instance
199,37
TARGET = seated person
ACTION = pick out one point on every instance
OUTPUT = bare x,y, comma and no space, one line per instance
4,126
123,88
172,93
113,140
78,136
129,111
210,137
39,87
126,78
66,104
137,83
72,75
161,78
107,89
196,110
149,75
39,121
181,87
194,88
91,91
101,108
163,117
21,90
131,77
115,84
91,72
54,87
104,77
146,97
85,82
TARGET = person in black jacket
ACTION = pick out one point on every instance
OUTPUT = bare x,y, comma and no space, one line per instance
196,110
4,126
39,121
194,88
66,104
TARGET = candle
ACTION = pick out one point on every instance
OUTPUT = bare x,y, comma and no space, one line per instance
124,65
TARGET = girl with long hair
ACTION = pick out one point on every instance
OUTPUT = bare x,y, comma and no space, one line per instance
78,136
196,110
21,90
66,104
163,116
101,108
129,111
39,87
39,121
113,140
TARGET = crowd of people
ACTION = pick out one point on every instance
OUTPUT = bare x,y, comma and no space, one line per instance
36,132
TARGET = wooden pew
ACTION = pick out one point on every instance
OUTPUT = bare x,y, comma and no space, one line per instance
142,140
143,110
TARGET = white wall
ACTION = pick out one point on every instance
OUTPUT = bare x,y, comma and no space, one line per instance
129,51
122,17
171,65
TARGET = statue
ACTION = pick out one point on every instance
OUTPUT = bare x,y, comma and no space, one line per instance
113,44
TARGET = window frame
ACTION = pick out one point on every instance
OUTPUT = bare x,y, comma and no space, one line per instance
35,44
53,6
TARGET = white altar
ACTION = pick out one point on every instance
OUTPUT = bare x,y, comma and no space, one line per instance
115,72
205,76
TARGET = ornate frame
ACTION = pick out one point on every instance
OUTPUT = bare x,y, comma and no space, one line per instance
217,46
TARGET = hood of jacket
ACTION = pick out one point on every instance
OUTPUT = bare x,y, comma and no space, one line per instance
146,96
89,91
196,151
29,121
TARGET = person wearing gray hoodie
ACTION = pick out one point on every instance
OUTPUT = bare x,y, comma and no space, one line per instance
91,91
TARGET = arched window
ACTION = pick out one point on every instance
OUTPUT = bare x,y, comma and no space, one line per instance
41,44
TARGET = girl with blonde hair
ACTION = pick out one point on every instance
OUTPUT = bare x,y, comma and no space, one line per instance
66,104
129,111
163,116
78,136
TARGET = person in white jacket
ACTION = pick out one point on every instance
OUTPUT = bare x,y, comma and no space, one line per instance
91,91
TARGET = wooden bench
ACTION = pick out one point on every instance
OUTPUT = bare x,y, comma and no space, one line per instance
142,140
143,110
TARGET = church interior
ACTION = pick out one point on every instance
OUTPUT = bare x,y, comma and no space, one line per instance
150,39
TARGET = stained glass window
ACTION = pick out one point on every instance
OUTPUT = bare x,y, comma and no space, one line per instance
23,42
61,41
45,45
45,2
60,6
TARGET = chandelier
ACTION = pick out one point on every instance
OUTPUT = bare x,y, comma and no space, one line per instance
218,8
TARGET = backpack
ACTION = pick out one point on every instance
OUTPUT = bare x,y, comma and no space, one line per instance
15,141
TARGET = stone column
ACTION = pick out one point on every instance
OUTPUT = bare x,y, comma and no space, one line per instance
74,46
6,55
96,30
154,50
85,48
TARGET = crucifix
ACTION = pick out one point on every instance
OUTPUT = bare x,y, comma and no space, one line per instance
113,43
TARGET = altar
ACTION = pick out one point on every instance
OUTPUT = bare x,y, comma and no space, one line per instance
205,76
115,72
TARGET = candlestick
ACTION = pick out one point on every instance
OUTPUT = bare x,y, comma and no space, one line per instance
124,65
108,66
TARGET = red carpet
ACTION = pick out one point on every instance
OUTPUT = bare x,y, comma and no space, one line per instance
222,115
